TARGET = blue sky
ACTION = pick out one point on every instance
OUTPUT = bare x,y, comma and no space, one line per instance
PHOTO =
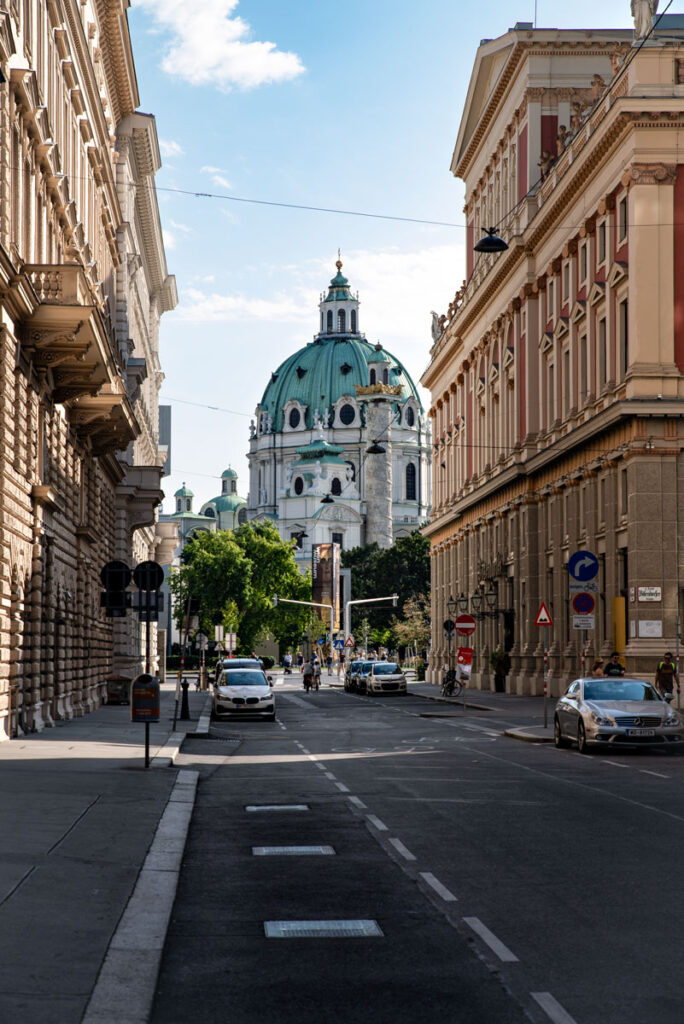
354,106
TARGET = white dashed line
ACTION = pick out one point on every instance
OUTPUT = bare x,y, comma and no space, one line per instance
400,848
321,766
357,802
380,825
645,771
342,788
329,775
435,884
496,945
616,764
552,1008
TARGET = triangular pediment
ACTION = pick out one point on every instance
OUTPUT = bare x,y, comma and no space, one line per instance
578,311
597,293
509,357
489,65
562,327
546,341
494,373
617,273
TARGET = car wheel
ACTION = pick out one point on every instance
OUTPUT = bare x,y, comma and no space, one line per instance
558,738
582,744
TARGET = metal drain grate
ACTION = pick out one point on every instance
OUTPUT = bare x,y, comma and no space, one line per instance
296,851
251,808
322,929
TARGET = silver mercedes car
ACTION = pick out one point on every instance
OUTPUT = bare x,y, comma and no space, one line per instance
614,711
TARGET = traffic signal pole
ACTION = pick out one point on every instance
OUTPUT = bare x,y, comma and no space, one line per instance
363,600
310,604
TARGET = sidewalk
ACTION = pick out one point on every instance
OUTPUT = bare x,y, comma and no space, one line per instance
79,820
519,717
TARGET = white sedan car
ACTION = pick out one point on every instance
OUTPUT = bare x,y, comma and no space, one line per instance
384,677
614,711
244,692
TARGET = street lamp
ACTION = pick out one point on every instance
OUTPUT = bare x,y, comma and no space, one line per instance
327,500
451,607
492,601
490,242
463,603
476,603
375,449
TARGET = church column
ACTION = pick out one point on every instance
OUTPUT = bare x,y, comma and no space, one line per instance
379,472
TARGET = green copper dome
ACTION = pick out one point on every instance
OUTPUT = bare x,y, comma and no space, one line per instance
378,355
229,474
320,373
227,502
184,492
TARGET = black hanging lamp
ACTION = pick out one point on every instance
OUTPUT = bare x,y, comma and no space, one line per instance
490,242
327,500
375,449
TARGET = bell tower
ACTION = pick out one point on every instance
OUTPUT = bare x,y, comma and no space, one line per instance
339,308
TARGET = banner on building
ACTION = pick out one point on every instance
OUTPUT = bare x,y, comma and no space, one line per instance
325,569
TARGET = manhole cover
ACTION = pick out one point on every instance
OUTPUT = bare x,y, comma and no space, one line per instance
252,808
322,929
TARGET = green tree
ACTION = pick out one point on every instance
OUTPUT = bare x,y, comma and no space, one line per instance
413,629
403,569
234,576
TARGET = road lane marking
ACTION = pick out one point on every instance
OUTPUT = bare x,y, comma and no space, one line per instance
357,802
645,771
322,929
435,884
400,848
496,945
257,808
552,1008
321,766
380,825
616,764
329,775
342,788
293,851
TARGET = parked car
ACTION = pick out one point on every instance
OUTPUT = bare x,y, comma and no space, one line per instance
244,691
233,663
385,677
359,675
349,673
608,712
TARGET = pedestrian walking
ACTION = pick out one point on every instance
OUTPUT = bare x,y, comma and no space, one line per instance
300,660
666,675
287,664
329,664
614,668
316,673
596,671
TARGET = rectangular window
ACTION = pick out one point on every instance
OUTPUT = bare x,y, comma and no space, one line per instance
550,293
623,492
566,282
583,263
298,538
602,354
601,244
623,348
338,538
583,370
566,382
622,219
551,396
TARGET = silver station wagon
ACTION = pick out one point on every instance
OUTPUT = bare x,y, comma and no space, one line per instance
613,711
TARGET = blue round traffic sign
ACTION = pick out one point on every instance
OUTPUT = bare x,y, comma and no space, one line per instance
583,604
583,566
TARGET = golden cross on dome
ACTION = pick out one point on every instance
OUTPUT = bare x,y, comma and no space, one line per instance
339,260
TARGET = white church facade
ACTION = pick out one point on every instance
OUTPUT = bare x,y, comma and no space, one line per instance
325,406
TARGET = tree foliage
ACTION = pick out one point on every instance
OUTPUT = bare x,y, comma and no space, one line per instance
234,576
403,569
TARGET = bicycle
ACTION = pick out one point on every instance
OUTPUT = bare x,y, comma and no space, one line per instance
452,686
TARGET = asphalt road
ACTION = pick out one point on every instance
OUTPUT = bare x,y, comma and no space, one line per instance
510,881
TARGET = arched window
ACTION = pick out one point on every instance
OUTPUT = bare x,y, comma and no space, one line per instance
352,321
385,376
410,482
353,470
209,512
242,516
330,321
298,485
188,505
410,416
336,486
295,417
341,321
372,376
347,414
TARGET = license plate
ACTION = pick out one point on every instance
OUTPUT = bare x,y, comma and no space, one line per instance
641,732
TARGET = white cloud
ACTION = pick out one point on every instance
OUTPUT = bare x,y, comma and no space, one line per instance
169,239
210,45
202,307
169,148
217,176
180,227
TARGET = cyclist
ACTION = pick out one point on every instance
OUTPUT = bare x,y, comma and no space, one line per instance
316,673
307,673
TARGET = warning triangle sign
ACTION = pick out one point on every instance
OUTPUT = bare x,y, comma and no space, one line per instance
543,616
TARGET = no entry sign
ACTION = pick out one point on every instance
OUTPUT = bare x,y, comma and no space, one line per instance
465,625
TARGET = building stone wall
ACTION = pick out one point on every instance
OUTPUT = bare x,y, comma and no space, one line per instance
558,375
79,369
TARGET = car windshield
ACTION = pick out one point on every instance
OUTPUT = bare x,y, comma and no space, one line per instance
366,667
619,689
356,665
384,668
244,678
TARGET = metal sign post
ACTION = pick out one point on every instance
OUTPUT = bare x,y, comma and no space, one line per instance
544,619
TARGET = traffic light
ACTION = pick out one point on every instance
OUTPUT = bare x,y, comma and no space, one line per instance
115,598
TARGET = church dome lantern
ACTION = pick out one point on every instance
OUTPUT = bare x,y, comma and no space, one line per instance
339,308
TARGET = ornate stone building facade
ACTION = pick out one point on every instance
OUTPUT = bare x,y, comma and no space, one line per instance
557,377
83,284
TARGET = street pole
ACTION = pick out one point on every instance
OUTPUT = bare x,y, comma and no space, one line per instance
546,678
679,692
148,605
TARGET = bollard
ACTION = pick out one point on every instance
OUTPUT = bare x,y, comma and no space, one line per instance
185,710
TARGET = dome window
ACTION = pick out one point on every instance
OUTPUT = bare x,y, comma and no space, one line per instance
295,418
330,321
385,376
347,414
352,318
209,512
242,516
301,372
372,377
336,486
341,321
410,416
345,368
298,485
